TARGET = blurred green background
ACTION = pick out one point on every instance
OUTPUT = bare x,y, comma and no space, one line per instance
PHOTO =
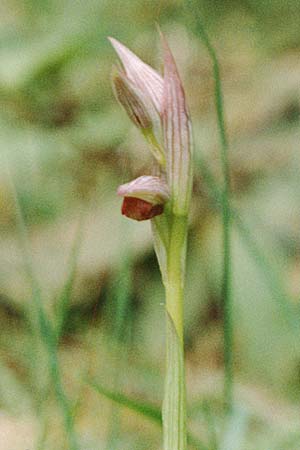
65,147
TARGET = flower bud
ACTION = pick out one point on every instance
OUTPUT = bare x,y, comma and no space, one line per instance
140,74
139,89
133,101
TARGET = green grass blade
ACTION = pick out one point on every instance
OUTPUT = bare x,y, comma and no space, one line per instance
213,445
121,292
64,299
272,277
121,320
147,410
43,330
150,412
226,216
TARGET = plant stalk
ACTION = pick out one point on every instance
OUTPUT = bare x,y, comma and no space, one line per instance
175,273
174,406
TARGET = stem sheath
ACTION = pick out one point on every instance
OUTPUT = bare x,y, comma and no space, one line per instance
174,408
176,273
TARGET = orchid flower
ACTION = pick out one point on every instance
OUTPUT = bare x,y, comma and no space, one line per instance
153,102
157,107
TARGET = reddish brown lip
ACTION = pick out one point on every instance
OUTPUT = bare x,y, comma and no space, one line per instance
138,209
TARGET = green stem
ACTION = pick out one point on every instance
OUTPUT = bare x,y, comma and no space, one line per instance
175,272
174,408
155,148
226,219
226,216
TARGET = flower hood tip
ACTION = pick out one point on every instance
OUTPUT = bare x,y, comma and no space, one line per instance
141,74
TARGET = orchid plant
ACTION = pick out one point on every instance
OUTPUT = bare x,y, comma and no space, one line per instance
157,106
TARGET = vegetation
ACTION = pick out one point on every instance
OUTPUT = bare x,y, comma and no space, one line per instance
81,302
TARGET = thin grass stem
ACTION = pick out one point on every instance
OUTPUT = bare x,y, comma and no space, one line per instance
271,275
226,219
63,304
120,296
41,324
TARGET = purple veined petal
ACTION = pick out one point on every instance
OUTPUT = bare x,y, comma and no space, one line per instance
148,188
141,111
177,135
140,73
137,106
